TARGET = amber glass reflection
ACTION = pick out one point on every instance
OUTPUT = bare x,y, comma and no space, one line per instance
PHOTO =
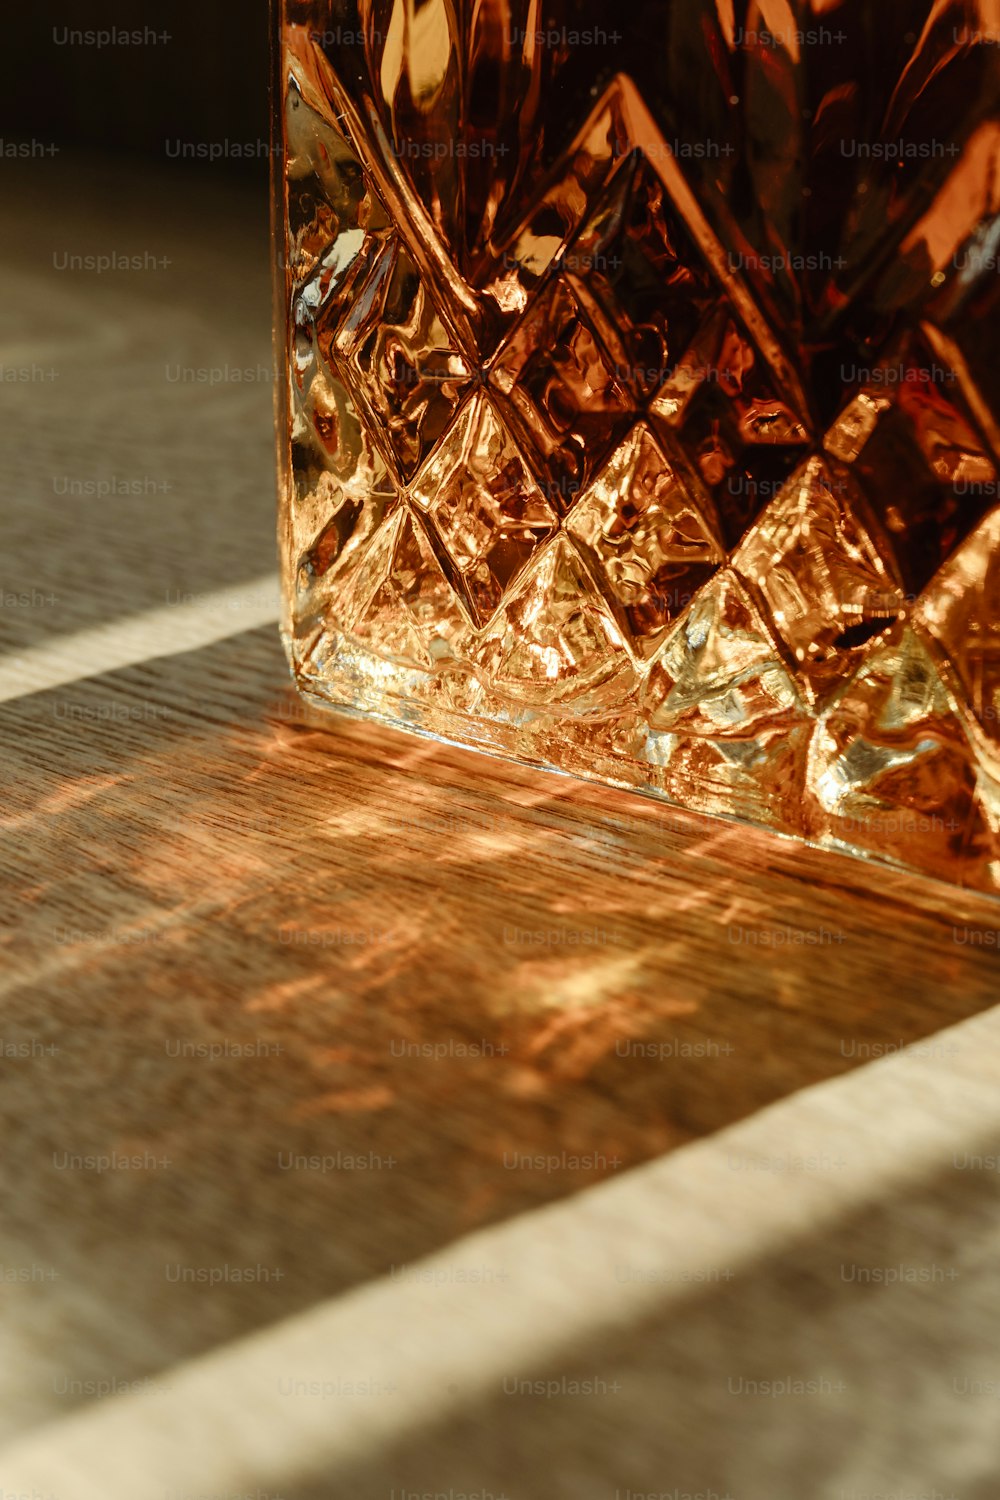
641,412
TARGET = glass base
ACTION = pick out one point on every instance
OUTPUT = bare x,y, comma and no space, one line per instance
718,778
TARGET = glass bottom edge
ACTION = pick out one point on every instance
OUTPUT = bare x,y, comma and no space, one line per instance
358,685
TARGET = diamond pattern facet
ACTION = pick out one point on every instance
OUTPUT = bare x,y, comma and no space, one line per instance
650,538
484,505
561,382
401,359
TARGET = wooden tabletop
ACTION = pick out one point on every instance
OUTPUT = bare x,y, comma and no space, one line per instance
332,1057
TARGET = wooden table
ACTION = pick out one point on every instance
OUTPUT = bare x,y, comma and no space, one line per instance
382,1119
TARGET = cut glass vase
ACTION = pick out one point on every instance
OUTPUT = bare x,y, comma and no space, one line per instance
642,413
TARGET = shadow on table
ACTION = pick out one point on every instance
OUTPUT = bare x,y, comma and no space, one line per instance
720,1393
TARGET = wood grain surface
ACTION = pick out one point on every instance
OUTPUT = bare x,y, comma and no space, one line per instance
291,1002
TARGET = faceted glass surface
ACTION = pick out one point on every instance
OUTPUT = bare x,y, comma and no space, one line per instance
643,403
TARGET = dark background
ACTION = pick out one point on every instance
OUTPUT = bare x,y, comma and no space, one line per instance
207,83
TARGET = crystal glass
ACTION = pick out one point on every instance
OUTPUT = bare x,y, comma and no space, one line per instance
643,406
